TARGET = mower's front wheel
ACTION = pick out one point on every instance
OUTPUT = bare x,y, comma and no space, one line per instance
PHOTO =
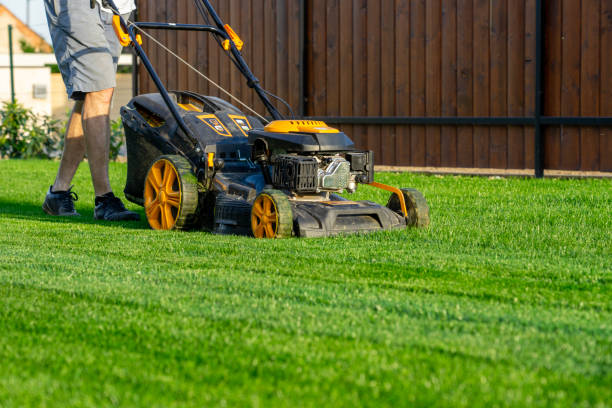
171,194
416,205
271,215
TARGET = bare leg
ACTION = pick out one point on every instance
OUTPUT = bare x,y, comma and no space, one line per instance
74,150
96,124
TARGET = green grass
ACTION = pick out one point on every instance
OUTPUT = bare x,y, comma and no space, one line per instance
506,300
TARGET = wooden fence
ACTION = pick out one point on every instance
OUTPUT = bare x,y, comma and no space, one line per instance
373,66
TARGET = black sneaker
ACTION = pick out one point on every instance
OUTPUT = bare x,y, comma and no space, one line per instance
61,203
110,208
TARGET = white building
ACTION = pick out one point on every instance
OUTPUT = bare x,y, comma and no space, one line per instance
32,80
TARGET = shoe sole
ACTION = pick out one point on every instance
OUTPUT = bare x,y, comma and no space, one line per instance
120,217
50,212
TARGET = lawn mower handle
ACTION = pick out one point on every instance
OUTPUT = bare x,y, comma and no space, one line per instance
220,31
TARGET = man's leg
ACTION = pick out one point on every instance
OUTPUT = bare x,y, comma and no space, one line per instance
96,124
60,199
74,150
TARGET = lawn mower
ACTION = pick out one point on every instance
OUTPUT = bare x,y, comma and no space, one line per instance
199,162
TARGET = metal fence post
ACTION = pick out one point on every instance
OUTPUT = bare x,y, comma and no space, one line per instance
11,65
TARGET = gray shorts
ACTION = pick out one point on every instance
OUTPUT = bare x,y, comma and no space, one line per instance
85,45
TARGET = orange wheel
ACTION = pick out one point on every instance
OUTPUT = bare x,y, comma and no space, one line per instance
170,194
271,215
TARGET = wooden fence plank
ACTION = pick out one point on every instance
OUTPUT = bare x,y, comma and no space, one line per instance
590,83
281,48
552,80
332,47
160,35
153,51
293,57
172,43
605,140
346,60
213,63
516,78
258,51
570,83
465,83
374,75
225,67
530,74
448,138
498,32
246,34
145,84
359,70
387,80
203,61
182,49
432,79
417,79
319,59
402,80
233,19
481,80
192,49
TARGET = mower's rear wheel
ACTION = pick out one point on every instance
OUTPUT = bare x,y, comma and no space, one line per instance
416,205
171,194
271,215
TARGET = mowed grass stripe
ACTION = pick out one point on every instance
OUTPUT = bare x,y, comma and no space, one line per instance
174,354
504,301
464,328
496,279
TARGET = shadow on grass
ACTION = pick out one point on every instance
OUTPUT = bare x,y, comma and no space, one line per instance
34,212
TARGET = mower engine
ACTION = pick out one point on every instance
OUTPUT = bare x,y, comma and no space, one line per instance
308,157
321,173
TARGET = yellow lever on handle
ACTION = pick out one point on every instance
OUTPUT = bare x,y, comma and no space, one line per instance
122,36
237,41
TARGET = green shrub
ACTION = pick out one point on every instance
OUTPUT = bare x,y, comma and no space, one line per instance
116,138
25,134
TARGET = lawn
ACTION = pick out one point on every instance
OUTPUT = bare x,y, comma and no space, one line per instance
506,300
